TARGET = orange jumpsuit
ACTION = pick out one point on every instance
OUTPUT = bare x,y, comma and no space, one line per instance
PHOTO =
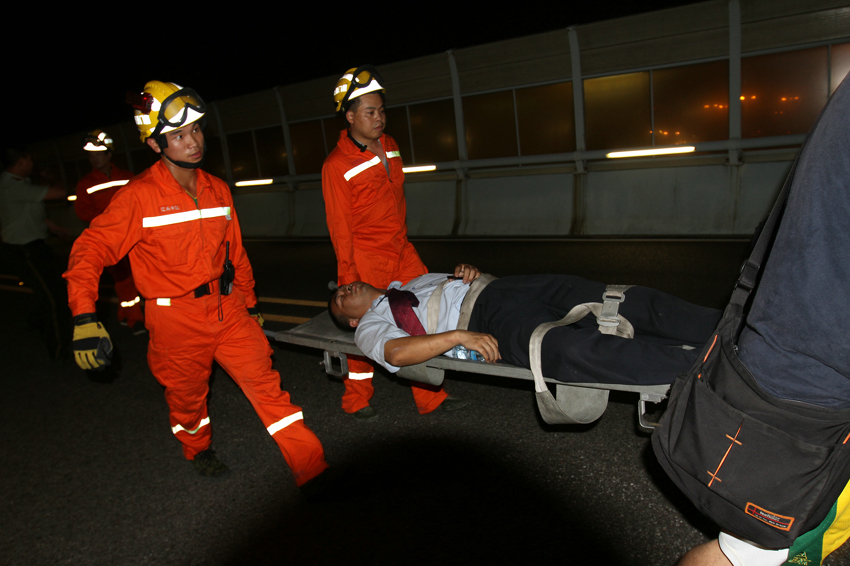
88,206
177,245
366,213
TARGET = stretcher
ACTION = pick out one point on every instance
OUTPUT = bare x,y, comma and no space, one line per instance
583,402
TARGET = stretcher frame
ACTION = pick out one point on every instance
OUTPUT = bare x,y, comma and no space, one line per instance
585,402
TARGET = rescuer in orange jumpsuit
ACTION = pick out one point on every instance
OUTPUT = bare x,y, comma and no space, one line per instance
363,188
178,225
94,192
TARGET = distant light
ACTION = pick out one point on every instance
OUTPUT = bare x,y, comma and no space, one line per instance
646,152
255,182
108,185
743,97
419,169
72,198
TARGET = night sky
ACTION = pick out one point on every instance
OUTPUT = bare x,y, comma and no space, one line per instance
69,71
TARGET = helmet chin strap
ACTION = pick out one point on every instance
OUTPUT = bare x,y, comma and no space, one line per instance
187,164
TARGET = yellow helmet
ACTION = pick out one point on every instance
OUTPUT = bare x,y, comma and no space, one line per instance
97,140
356,82
162,107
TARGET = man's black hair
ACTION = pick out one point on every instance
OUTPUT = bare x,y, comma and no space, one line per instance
12,154
340,321
355,103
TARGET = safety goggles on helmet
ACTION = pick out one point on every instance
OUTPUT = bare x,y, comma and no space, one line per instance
163,107
97,140
356,82
182,107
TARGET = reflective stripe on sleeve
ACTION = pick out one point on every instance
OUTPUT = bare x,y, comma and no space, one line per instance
128,304
163,302
359,376
393,154
362,167
188,216
285,422
108,185
177,428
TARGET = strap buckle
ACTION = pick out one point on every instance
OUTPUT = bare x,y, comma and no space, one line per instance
611,299
202,291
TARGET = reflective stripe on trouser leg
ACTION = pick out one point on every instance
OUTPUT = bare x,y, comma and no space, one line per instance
358,390
180,355
285,422
178,428
243,351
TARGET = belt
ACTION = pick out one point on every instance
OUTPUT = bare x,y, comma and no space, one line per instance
202,291
205,289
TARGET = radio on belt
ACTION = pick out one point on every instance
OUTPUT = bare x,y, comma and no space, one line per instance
225,284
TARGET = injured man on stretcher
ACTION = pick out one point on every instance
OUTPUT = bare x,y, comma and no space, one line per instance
392,325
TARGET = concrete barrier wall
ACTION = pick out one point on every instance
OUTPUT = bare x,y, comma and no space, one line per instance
678,200
674,201
431,207
309,214
263,215
532,205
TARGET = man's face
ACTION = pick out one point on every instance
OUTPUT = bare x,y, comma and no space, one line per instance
352,301
369,119
99,159
25,165
186,144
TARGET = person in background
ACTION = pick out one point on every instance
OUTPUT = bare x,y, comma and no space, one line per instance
94,193
25,228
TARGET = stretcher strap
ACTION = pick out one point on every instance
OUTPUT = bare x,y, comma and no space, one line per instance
433,308
466,306
469,300
552,411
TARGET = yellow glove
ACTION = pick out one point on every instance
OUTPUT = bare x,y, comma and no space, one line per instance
255,314
92,346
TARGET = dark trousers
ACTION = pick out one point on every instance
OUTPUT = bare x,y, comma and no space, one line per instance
511,309
36,266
